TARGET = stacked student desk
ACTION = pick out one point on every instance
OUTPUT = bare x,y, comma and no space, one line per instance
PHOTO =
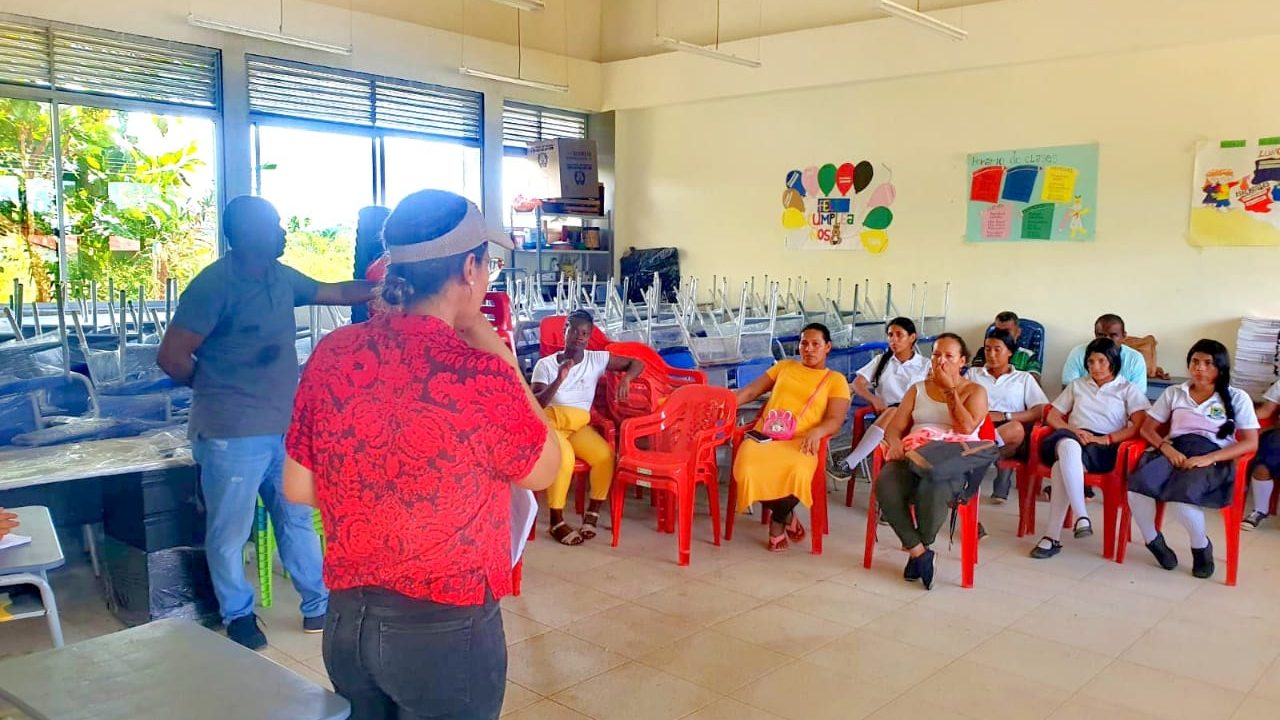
144,491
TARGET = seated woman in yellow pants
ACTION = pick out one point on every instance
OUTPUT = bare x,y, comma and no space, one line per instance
565,384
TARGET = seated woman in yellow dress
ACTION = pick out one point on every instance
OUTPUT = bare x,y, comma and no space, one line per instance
807,403
565,385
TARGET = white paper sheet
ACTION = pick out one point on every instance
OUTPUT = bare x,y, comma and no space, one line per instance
13,540
524,513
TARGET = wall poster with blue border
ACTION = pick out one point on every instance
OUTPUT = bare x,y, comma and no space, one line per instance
1034,194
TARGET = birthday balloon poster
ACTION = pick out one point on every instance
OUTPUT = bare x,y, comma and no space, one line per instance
838,206
1048,194
1235,193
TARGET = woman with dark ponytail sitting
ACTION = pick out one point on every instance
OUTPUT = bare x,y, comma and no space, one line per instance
1210,425
884,381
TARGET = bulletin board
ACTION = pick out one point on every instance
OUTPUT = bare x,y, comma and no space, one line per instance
1035,194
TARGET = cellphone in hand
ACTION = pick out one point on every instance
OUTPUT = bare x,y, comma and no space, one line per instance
758,436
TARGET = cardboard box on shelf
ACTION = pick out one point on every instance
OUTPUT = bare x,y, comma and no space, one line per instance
569,167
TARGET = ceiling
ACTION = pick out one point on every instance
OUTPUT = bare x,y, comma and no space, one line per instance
609,30
627,27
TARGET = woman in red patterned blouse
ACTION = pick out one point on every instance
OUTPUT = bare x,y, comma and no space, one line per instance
408,431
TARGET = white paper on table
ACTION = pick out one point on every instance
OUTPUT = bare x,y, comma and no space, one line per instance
524,513
13,540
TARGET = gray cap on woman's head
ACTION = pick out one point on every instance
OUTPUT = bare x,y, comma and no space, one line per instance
431,224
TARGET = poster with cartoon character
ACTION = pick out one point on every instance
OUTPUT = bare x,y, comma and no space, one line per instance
1235,196
843,206
1033,194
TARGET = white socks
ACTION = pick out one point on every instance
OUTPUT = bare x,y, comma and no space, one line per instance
1192,518
1262,494
1144,514
866,446
1067,480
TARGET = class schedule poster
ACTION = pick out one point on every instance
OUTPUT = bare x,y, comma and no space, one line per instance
1044,194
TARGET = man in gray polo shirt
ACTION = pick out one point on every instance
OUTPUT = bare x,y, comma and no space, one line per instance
232,339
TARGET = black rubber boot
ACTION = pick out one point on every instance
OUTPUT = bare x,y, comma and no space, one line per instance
1202,561
1165,556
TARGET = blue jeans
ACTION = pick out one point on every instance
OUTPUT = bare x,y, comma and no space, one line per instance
233,473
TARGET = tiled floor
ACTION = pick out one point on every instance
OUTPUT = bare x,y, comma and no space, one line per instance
741,634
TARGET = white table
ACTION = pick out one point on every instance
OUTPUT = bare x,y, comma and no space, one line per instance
29,564
161,671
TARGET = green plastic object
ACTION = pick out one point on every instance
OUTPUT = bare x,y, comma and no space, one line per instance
264,545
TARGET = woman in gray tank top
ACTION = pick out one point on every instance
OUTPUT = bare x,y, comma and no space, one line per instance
933,454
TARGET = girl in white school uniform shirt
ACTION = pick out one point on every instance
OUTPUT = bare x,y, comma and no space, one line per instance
1266,464
1210,425
884,380
1092,416
1014,399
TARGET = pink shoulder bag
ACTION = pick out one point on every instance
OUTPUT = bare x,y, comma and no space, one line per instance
781,424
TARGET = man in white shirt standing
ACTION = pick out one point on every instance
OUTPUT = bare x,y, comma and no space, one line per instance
1132,365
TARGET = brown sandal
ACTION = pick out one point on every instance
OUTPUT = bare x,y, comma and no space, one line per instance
778,543
590,519
569,536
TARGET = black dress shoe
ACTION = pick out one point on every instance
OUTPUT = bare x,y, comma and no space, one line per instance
1164,555
1043,553
1202,561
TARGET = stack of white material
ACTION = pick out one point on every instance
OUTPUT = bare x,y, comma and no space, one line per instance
1257,355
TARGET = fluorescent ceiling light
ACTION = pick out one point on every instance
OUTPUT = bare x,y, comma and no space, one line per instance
524,4
673,44
221,26
926,21
513,80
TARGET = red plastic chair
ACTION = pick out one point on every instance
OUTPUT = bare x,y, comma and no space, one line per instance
1112,484
497,308
551,335
968,512
678,453
818,520
651,388
1022,472
859,429
1232,514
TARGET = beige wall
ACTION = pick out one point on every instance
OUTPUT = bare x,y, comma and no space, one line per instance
707,177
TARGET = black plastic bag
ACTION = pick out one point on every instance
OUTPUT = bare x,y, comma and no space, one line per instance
641,265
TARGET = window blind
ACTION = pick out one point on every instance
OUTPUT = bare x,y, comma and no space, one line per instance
78,60
525,124
280,88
